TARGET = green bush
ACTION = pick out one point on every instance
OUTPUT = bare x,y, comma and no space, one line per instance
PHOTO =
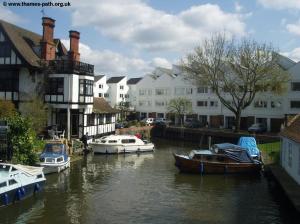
23,140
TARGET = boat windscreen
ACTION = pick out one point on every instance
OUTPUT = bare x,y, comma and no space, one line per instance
55,148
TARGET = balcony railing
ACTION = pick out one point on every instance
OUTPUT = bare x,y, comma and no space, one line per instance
70,67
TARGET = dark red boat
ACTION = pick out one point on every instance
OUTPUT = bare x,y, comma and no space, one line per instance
221,159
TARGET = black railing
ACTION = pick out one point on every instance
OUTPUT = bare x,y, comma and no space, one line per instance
70,67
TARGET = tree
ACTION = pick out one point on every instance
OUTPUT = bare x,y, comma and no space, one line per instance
236,71
36,112
7,109
180,106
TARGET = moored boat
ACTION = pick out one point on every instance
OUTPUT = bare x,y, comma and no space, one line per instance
54,158
221,159
18,182
121,144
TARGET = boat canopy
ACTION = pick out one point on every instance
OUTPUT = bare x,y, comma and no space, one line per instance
55,148
233,151
249,143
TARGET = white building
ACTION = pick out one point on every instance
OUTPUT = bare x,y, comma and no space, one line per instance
34,65
133,92
100,86
118,91
155,90
290,149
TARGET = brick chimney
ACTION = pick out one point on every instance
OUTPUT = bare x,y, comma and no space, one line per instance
47,43
74,45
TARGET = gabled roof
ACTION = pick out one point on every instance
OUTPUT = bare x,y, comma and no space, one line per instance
115,79
292,131
98,77
25,41
133,81
102,107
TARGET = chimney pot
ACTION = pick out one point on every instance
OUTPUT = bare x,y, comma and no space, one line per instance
47,43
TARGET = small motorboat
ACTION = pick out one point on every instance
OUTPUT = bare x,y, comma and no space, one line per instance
249,143
54,158
121,144
18,182
220,159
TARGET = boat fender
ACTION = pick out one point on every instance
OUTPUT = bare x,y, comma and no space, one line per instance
201,168
5,199
18,194
37,187
22,191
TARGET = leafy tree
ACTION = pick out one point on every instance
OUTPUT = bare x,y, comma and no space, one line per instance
180,106
7,109
36,112
23,140
236,71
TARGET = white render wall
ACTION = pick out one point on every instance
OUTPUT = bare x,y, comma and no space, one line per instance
290,158
114,92
98,90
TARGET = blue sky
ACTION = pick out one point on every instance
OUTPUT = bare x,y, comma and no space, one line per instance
132,37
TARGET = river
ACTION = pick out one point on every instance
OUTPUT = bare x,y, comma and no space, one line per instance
147,188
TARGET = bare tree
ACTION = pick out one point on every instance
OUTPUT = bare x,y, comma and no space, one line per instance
236,71
180,106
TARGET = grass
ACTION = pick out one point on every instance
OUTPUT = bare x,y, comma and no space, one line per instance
270,152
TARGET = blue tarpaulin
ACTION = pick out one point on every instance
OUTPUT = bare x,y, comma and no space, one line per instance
249,143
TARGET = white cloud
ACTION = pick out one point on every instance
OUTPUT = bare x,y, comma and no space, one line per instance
112,63
280,4
8,15
294,28
238,7
294,54
136,23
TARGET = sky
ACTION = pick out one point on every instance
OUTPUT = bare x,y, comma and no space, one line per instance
132,37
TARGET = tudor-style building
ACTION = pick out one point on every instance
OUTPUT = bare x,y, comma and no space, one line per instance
31,64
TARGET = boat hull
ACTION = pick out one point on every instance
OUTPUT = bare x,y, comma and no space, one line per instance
117,149
55,167
188,165
21,193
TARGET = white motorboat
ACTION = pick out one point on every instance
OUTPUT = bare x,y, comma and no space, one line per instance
18,182
121,144
54,158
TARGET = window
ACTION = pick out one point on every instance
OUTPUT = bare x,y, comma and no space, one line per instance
121,87
260,104
90,119
295,86
3,184
12,181
189,91
275,104
160,92
295,104
100,119
39,176
112,141
106,95
101,86
60,159
9,81
56,86
85,87
100,95
160,103
126,96
202,103
128,141
5,50
290,154
142,92
202,89
121,96
213,103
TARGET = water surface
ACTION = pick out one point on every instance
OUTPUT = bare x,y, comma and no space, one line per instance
147,188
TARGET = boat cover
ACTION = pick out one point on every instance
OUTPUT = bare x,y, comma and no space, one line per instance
249,143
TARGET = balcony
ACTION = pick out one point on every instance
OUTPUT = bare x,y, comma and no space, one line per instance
70,67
